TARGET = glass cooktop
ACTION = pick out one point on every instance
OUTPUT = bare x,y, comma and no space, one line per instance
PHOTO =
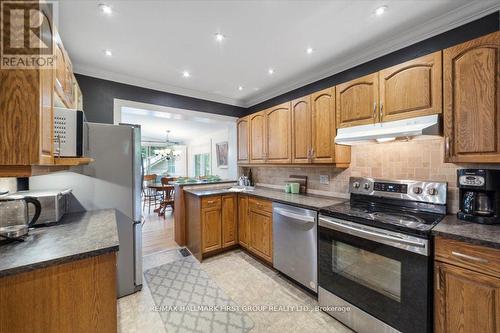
387,216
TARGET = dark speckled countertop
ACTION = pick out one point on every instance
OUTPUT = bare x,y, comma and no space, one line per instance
301,200
203,182
480,234
76,236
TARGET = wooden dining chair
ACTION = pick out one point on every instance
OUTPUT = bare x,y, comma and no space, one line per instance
150,196
167,194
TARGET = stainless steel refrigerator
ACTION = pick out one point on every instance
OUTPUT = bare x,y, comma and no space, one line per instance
113,180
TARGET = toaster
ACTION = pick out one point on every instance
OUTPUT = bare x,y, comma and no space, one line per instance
55,204
68,132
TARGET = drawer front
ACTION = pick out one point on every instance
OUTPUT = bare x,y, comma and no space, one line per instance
210,202
475,257
260,204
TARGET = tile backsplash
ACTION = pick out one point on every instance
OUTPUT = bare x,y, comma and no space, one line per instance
420,159
8,184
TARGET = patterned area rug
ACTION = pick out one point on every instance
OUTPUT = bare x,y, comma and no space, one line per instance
189,301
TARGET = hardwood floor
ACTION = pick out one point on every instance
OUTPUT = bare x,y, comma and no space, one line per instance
157,232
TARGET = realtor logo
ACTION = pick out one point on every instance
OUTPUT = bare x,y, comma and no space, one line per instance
27,38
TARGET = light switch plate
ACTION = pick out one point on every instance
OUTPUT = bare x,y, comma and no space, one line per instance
324,179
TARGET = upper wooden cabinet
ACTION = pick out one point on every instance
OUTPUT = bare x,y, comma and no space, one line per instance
323,126
27,99
257,124
472,100
411,89
278,134
243,134
357,101
301,130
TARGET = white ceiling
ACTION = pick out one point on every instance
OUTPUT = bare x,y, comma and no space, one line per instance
184,126
153,42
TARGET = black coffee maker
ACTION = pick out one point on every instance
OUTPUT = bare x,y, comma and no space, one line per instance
479,191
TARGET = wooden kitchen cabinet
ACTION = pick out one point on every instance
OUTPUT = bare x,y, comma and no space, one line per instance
357,101
278,134
229,220
301,130
260,219
411,89
211,230
257,122
466,288
243,225
323,126
243,133
27,99
471,95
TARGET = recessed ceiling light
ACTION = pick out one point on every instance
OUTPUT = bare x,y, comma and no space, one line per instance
270,71
105,9
240,88
309,50
219,37
380,10
108,53
186,74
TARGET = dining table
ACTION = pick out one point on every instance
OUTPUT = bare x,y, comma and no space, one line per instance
159,187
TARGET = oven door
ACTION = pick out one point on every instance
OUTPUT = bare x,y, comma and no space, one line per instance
384,273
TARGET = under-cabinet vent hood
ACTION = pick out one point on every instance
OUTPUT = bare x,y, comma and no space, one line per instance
387,131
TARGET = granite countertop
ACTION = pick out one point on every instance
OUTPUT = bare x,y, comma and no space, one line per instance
480,234
201,182
76,236
301,200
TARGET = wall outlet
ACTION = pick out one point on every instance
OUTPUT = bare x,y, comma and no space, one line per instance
324,179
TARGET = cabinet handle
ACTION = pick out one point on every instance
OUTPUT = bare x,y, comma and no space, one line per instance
210,201
374,112
381,108
447,146
438,279
312,152
467,257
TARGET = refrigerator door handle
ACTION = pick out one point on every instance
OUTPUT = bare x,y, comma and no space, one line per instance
138,254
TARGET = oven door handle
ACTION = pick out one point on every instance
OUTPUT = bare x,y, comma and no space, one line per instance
303,218
367,234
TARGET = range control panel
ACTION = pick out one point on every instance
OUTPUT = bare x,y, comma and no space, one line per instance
414,190
390,187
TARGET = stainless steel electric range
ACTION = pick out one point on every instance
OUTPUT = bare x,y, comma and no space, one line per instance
374,254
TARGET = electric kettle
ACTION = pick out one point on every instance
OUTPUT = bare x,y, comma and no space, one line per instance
14,218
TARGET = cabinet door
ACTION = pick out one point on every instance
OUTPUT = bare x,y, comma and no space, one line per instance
60,83
465,301
229,223
257,137
301,130
472,100
211,229
261,234
242,126
357,101
411,89
278,134
323,126
243,226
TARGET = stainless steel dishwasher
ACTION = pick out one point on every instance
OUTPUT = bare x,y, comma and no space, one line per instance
295,244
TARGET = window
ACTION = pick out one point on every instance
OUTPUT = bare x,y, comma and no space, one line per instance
202,164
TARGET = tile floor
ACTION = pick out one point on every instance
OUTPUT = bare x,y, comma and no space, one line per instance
247,282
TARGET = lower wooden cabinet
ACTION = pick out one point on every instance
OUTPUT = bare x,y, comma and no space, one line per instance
243,225
211,229
260,220
466,288
229,222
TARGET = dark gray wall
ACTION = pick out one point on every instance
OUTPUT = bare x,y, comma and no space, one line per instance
99,94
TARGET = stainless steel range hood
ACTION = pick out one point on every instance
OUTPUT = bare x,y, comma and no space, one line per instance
387,131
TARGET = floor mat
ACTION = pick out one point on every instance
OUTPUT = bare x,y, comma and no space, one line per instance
189,301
